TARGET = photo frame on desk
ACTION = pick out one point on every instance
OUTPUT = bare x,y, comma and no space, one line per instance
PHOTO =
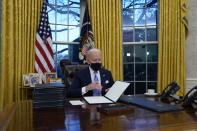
48,76
35,78
55,80
26,80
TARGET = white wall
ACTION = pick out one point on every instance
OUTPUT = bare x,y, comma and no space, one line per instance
191,46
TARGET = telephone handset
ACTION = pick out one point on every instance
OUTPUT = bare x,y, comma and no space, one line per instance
170,90
190,98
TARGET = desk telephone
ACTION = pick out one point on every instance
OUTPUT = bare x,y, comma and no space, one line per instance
190,98
170,90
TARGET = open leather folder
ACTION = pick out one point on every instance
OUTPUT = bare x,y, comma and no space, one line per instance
111,96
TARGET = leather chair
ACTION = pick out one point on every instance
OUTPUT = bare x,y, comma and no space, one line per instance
69,70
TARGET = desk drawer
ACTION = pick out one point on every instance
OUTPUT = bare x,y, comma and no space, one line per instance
48,97
48,104
48,90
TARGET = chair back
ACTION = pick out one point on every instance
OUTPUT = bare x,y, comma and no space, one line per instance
69,70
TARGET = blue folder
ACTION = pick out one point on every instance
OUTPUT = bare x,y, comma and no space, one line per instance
149,104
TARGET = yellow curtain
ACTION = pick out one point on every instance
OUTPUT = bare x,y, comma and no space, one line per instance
19,23
172,36
105,16
22,116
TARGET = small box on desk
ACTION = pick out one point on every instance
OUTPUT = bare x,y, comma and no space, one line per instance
116,109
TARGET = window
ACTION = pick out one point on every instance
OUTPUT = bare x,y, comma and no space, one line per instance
140,44
64,19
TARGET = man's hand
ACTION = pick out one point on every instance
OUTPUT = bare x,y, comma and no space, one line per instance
106,90
93,85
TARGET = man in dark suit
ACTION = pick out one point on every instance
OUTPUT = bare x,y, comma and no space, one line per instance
91,81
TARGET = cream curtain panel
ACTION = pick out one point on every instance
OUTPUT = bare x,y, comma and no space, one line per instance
19,23
105,16
172,36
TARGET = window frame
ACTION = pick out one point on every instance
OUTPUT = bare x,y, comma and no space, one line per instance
134,44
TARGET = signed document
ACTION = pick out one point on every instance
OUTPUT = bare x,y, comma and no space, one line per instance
111,96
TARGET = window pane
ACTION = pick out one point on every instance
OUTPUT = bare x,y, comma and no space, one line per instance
53,32
62,15
152,72
51,1
139,17
51,13
152,51
140,53
127,3
62,2
128,55
128,72
152,85
74,33
152,3
140,35
54,49
73,51
128,34
151,16
62,33
127,17
74,16
140,87
74,3
62,51
140,72
130,89
139,3
151,34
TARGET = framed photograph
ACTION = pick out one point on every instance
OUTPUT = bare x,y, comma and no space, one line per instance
49,75
55,80
35,78
26,80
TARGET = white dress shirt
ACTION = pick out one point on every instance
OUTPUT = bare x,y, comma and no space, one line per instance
83,90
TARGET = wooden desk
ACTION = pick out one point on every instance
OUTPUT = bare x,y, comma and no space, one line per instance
86,118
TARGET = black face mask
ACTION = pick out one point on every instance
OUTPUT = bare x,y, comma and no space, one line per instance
95,66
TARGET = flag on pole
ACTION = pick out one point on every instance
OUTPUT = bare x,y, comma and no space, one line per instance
44,61
86,36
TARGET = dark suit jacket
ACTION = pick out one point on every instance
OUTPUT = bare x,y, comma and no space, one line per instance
83,78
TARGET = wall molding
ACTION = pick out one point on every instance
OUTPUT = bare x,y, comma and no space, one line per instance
191,79
190,83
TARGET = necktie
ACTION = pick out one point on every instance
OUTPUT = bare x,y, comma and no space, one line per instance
96,92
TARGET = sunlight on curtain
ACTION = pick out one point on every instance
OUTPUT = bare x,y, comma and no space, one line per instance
105,17
19,23
172,36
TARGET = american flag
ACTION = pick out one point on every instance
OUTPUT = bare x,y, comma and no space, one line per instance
44,61
86,35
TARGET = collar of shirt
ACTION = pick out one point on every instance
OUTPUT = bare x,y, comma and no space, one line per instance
92,75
